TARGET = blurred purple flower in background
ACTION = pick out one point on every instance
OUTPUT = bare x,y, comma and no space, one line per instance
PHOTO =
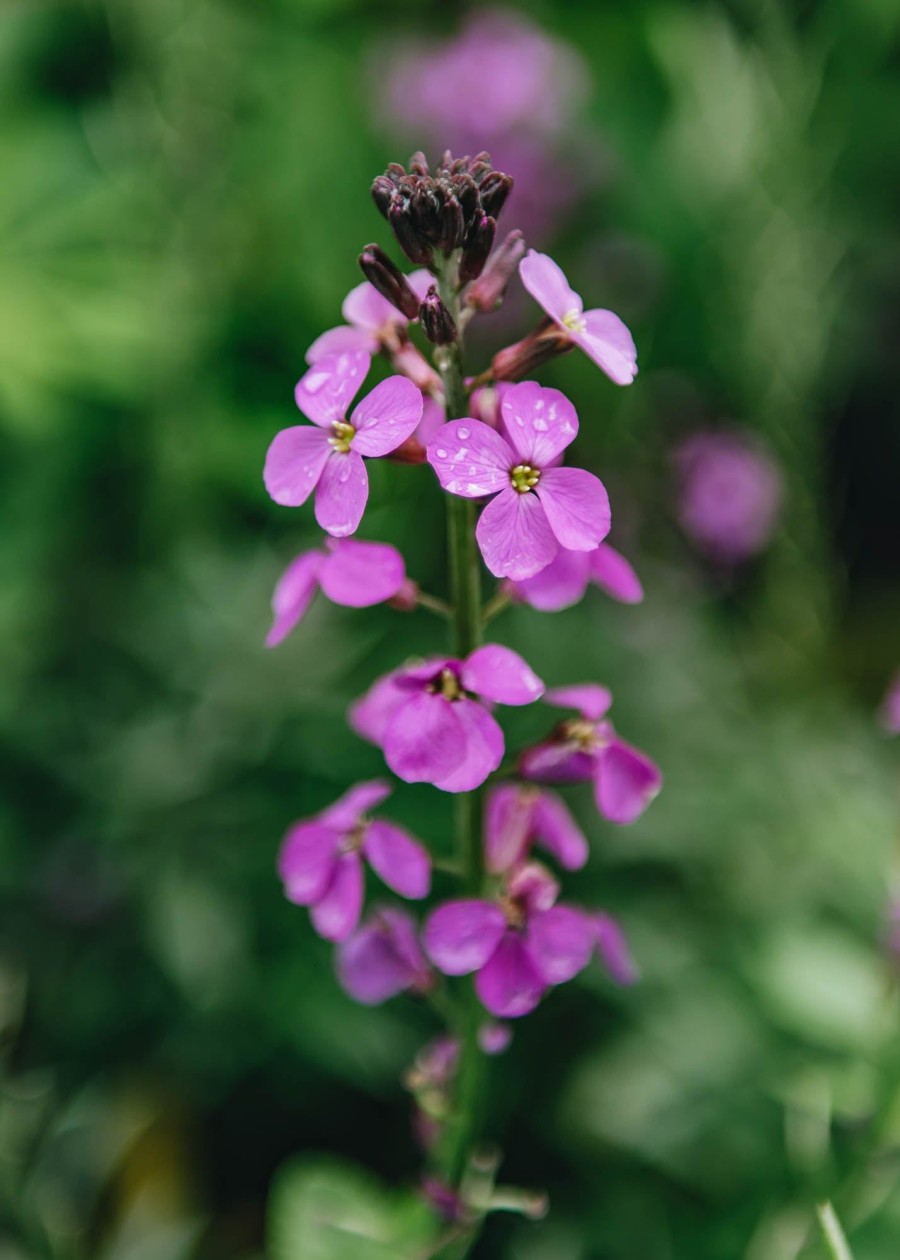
501,84
890,709
729,494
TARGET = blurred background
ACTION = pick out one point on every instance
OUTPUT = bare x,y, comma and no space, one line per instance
184,191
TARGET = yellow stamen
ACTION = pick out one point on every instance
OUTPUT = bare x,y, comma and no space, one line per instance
343,436
524,478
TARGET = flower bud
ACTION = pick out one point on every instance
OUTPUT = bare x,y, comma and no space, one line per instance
476,249
385,276
436,321
488,291
382,193
495,188
519,360
408,238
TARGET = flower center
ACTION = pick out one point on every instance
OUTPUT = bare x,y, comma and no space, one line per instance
574,321
352,841
515,913
583,733
447,685
524,478
344,434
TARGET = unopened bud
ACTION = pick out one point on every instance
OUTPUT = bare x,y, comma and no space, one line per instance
384,275
476,249
545,343
436,321
488,291
409,240
382,193
495,188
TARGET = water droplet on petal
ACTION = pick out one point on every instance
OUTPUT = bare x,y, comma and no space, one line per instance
463,434
441,454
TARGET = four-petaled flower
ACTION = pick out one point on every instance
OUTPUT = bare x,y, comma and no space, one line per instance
566,578
372,321
321,860
429,720
600,334
353,573
383,958
538,507
327,458
587,749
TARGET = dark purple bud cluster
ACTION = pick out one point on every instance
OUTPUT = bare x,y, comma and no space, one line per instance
455,207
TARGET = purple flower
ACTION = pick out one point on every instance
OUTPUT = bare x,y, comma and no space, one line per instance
327,458
730,494
600,334
538,507
372,323
587,749
382,958
429,721
518,816
321,860
355,574
566,578
613,950
890,708
519,946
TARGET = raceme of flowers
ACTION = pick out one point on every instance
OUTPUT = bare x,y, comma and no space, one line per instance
500,445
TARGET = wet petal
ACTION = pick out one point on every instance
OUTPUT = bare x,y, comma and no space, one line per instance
509,984
325,392
470,458
560,941
546,282
592,700
401,861
498,673
424,740
359,574
294,463
337,913
626,782
608,342
515,538
293,595
386,417
368,310
484,747
342,340
560,585
559,833
577,507
460,936
507,825
342,494
306,861
613,574
346,812
540,423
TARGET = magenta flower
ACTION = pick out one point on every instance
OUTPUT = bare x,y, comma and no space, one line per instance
600,334
566,578
537,507
890,708
327,457
519,816
730,494
383,958
519,946
612,947
321,860
372,321
430,724
355,574
587,749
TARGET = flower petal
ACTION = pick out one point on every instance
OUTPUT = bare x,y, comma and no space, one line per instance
293,595
613,574
294,463
342,340
559,833
470,458
484,747
508,819
613,949
386,416
371,714
626,782
577,507
515,538
498,673
509,984
424,740
325,392
370,968
367,309
545,280
557,761
359,574
560,585
342,493
540,423
460,936
592,700
401,861
348,809
560,941
337,913
608,342
306,861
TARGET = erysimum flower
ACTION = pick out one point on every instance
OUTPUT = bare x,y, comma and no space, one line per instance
538,507
372,321
587,748
600,334
355,574
321,860
518,816
566,578
327,457
429,720
519,946
383,958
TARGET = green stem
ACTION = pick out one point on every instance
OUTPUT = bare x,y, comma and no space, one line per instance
832,1233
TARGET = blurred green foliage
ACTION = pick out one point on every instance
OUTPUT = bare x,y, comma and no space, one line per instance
184,192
